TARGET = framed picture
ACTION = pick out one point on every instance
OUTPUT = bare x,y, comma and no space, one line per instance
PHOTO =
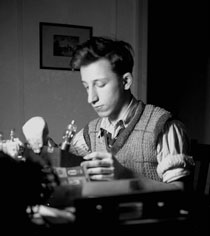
57,42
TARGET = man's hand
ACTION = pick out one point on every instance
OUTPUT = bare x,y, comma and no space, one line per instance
99,166
104,166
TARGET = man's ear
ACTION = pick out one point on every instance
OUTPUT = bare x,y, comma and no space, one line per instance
127,80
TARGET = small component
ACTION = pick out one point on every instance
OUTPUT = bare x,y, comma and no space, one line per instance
69,134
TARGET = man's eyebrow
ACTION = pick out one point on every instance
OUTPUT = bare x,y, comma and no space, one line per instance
97,79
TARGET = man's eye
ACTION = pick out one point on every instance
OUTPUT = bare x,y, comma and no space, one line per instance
100,84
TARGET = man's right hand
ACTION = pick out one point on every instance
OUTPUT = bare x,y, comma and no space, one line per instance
104,166
99,166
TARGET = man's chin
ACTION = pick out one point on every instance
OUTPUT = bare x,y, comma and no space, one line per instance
102,114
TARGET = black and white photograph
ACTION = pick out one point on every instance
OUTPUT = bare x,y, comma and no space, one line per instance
105,117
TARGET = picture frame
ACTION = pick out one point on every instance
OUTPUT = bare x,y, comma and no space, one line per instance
57,42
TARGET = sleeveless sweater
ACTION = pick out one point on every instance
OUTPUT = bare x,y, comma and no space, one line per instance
135,147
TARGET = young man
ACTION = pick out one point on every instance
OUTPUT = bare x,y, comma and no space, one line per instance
130,138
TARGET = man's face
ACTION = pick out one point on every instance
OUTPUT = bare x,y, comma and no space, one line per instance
105,90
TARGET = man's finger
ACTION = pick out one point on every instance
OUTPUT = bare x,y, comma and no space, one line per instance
100,170
97,163
102,177
97,155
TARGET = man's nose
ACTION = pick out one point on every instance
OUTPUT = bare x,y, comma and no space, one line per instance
92,96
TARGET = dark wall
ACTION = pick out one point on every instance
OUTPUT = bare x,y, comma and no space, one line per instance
177,60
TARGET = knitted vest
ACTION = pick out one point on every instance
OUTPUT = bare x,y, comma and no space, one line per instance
135,147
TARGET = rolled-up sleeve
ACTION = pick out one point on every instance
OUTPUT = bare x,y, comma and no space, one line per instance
174,161
78,145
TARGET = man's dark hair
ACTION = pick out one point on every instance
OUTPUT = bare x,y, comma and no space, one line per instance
118,53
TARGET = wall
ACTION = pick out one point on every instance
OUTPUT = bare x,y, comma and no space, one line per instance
58,96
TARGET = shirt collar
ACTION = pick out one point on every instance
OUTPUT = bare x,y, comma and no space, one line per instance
123,120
